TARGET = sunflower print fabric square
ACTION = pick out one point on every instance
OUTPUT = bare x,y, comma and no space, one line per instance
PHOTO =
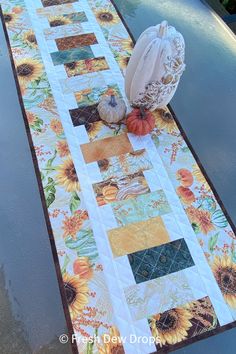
66,19
182,323
86,66
129,216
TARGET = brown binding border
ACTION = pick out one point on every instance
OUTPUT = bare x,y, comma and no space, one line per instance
41,192
50,233
218,199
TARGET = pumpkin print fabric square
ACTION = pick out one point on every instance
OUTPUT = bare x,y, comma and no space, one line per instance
123,188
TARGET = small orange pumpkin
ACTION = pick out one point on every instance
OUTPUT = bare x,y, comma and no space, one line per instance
185,194
83,268
140,121
109,193
185,177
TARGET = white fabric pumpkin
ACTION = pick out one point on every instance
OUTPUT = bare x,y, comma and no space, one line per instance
155,67
112,109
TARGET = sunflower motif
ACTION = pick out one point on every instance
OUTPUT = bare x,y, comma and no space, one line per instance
76,290
113,345
170,327
103,165
10,18
72,68
30,39
67,176
123,62
94,128
28,70
165,120
55,21
81,95
106,17
225,273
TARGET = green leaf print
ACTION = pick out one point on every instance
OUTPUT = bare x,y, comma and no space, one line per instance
90,345
213,241
50,191
50,199
66,262
50,161
74,202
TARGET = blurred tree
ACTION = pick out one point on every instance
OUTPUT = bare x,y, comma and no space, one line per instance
230,5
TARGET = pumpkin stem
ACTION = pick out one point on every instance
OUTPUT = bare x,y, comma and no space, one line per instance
142,112
163,29
113,101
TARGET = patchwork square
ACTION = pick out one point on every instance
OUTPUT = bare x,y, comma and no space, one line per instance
66,19
181,323
69,56
85,116
125,164
158,295
105,148
56,2
86,66
141,208
138,236
159,261
93,95
121,188
71,42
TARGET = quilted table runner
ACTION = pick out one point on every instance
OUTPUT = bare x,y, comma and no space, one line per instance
145,257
